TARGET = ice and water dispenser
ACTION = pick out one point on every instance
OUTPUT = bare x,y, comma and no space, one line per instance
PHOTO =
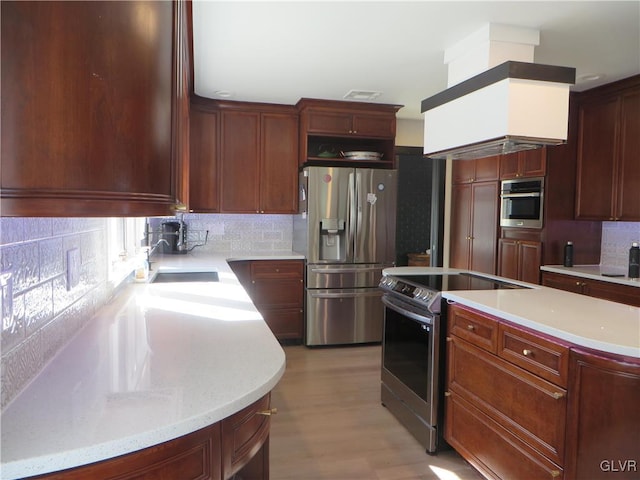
332,239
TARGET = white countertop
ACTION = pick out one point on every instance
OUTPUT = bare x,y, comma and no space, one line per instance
595,272
158,362
586,321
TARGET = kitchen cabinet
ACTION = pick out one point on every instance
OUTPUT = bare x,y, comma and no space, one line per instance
204,178
506,397
604,418
474,226
519,259
608,171
328,128
527,163
276,287
94,114
258,158
594,288
478,170
237,445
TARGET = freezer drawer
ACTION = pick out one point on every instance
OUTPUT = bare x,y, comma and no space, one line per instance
344,316
344,276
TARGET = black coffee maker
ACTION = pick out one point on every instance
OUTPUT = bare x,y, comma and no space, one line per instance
175,233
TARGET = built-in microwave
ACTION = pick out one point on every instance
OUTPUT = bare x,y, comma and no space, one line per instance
521,202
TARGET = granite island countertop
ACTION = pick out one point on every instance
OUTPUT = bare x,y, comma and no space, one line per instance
161,360
584,321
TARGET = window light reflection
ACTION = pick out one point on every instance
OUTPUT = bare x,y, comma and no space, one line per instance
443,473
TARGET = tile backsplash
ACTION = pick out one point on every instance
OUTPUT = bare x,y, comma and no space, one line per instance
616,241
230,233
41,307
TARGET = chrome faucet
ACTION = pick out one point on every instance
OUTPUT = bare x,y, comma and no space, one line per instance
151,249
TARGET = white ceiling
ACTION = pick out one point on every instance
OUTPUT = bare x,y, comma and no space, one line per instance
279,52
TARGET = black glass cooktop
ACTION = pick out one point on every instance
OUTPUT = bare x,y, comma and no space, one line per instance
447,282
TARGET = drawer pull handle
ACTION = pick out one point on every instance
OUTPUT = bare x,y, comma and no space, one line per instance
471,327
268,413
447,394
557,395
527,353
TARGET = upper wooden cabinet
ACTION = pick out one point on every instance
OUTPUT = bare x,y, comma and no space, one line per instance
608,173
258,158
203,172
528,163
94,107
328,128
478,170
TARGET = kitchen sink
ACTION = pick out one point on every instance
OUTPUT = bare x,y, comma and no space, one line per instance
172,277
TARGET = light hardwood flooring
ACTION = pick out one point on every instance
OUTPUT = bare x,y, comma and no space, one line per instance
331,424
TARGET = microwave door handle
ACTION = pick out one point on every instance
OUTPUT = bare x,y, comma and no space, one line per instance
520,195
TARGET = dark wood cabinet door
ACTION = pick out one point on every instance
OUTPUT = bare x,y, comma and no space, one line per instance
628,177
529,261
463,171
603,429
279,165
383,126
487,169
203,186
239,153
612,291
508,258
285,323
484,227
329,123
460,242
88,108
533,163
509,166
598,122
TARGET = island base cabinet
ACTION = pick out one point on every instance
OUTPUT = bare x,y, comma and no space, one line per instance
603,431
490,448
196,456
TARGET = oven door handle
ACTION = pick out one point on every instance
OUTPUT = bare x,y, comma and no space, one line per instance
372,293
345,270
407,313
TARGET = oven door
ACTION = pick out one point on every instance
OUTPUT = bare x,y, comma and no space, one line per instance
410,356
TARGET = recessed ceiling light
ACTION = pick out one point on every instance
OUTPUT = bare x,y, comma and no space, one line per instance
591,77
362,95
223,93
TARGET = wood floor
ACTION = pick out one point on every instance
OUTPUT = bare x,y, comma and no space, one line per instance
331,425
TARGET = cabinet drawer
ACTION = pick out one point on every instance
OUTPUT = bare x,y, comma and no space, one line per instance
491,448
547,359
276,269
243,434
474,327
531,408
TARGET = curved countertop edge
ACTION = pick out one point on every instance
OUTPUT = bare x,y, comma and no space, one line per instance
85,455
546,311
594,272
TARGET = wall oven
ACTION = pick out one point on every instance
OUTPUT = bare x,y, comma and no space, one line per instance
521,202
413,348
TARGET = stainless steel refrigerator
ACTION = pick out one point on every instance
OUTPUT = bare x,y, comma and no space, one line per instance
346,230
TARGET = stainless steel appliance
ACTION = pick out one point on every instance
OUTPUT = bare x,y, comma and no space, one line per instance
522,202
346,230
413,348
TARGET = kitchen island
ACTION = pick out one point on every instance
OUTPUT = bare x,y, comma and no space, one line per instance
159,362
541,383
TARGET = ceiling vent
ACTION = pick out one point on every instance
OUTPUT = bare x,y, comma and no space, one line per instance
498,100
362,95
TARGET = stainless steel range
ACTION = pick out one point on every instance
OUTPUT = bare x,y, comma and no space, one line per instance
413,348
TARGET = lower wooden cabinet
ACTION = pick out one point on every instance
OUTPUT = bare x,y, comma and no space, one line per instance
519,259
523,405
239,444
594,288
276,287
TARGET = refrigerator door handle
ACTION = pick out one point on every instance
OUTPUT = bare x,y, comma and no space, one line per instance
351,206
372,293
345,270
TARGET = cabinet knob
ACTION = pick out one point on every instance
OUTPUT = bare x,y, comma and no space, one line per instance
527,353
555,473
471,327
268,413
557,395
253,281
447,394
578,284
277,270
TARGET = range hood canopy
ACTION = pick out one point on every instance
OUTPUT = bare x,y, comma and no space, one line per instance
512,106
